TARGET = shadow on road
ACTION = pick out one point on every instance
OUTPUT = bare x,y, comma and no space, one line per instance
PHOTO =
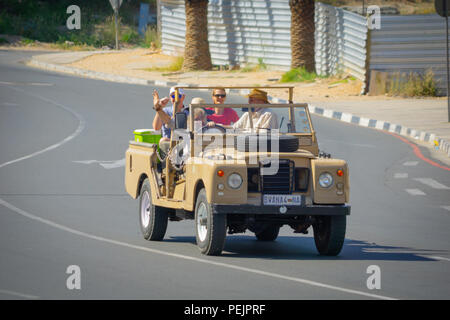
303,248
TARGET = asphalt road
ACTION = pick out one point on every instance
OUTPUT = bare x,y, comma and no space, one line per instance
63,203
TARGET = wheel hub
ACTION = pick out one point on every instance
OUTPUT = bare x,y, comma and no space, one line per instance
202,220
145,209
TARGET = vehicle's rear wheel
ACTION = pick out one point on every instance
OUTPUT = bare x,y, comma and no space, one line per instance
152,219
210,229
329,234
270,233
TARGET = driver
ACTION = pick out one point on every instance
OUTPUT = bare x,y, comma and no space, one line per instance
262,118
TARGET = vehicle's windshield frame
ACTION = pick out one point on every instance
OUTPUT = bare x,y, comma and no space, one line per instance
291,107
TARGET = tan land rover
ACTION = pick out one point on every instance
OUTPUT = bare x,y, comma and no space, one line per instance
233,179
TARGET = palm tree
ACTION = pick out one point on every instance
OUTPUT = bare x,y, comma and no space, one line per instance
302,34
196,48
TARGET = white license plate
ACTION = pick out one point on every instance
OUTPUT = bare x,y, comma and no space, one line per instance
282,200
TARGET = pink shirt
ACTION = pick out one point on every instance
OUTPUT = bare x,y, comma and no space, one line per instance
228,116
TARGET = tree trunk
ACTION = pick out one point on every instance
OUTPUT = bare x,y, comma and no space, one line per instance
302,34
196,49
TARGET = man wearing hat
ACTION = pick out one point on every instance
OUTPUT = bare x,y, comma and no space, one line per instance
262,118
163,119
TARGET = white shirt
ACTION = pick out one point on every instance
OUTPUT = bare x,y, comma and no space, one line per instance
263,119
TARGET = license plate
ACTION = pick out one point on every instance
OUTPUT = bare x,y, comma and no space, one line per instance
282,200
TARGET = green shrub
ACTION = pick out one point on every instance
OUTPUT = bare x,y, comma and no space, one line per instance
299,75
151,36
177,65
131,37
261,64
412,84
45,21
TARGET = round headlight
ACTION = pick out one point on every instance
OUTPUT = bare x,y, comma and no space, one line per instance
234,180
325,180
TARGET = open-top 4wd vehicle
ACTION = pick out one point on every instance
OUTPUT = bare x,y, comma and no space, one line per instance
237,179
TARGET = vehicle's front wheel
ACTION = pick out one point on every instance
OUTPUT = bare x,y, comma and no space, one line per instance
210,229
152,219
329,234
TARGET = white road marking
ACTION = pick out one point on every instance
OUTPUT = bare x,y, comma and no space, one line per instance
9,104
411,163
400,175
105,164
415,192
80,128
435,257
18,294
432,183
446,207
26,83
41,84
185,257
439,258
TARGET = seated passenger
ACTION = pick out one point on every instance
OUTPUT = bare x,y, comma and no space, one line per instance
262,118
199,113
223,116
163,119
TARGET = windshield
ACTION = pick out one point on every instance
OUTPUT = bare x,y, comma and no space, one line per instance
293,118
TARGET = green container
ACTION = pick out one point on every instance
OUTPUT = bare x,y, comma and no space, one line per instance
147,135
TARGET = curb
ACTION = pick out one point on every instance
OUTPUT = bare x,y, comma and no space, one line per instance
430,138
423,136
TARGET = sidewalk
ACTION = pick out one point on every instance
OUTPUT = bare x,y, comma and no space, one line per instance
422,120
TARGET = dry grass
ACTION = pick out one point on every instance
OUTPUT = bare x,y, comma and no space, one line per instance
412,85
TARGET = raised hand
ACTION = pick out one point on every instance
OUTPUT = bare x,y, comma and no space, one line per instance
158,103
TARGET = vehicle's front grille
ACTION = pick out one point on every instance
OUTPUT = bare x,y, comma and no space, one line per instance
283,182
301,179
287,179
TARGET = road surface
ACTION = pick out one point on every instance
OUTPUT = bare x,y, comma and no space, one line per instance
63,203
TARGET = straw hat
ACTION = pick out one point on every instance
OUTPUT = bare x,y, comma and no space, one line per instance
258,94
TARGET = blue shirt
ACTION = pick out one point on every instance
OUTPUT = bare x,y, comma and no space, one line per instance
165,130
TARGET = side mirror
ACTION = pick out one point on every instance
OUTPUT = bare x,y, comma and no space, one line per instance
180,120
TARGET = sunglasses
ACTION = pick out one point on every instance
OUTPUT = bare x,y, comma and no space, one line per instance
220,95
173,96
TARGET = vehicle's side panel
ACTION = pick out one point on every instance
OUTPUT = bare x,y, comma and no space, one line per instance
137,162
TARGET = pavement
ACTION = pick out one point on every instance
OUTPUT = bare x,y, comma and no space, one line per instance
422,120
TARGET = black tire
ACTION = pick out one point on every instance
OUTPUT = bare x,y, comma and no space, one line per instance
247,143
152,219
270,233
329,234
210,229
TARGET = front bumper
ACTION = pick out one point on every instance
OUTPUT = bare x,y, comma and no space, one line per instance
312,210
